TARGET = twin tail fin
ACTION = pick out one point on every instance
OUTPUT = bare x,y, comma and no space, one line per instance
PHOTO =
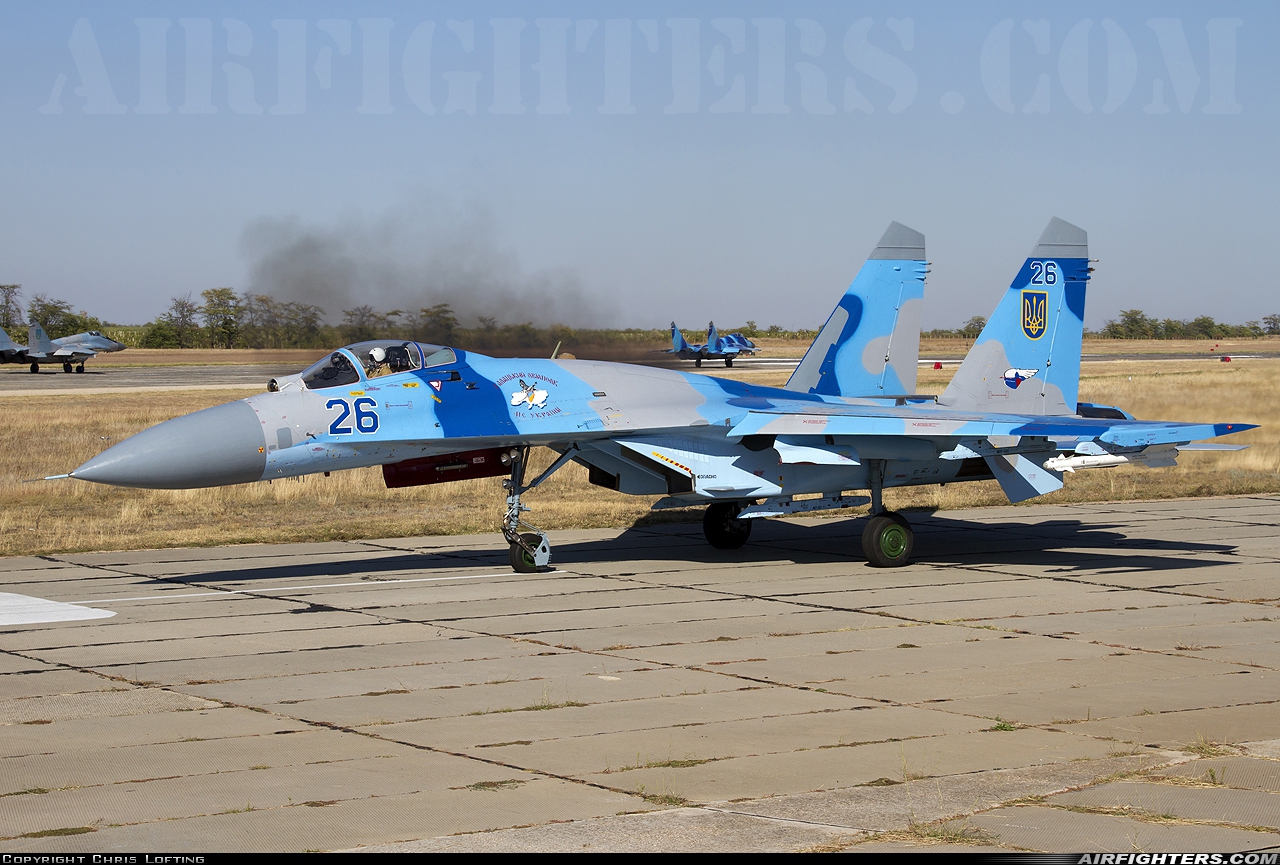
870,346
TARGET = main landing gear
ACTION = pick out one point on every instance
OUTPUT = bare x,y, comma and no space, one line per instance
66,367
697,361
35,367
529,551
728,361
722,528
887,539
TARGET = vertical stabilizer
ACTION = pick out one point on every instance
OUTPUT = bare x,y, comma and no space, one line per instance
871,343
678,342
1027,358
7,345
38,340
713,338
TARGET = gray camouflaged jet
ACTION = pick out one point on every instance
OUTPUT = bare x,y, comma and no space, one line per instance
848,420
70,352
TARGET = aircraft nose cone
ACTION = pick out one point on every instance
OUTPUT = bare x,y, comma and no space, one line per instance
210,448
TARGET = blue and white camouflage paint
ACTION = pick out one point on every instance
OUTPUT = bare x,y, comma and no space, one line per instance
848,419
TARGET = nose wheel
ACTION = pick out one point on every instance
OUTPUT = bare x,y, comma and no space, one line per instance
531,555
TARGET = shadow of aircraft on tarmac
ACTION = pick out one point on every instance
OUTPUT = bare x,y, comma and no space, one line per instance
1059,545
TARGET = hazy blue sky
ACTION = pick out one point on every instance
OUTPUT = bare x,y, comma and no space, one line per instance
626,164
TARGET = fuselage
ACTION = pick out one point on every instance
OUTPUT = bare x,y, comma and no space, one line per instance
641,430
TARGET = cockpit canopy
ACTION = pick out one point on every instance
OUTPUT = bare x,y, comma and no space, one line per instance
373,358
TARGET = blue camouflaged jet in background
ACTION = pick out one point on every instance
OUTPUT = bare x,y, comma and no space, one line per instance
848,420
717,347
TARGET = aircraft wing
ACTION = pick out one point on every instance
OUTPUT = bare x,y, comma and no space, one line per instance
833,420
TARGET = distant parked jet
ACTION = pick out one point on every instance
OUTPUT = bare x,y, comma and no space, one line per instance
70,351
716,347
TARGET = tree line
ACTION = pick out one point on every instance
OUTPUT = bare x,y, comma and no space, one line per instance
224,319
57,317
229,320
1136,324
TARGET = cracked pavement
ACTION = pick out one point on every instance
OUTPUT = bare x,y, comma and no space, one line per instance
1065,677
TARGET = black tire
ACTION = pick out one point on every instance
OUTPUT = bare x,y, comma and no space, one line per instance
697,362
521,561
66,367
887,540
728,361
80,368
898,518
35,367
722,528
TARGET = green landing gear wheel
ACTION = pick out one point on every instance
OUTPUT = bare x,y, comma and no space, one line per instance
887,540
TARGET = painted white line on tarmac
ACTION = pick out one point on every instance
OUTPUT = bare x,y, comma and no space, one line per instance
28,610
254,591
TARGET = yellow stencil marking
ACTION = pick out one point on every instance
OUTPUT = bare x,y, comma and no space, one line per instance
672,462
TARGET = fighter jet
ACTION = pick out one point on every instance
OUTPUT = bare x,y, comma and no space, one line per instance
10,351
70,351
715,348
847,421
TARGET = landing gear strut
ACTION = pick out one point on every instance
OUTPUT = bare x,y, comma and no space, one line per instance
722,528
529,551
887,539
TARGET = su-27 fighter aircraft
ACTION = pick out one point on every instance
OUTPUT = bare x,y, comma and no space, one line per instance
717,347
69,351
848,420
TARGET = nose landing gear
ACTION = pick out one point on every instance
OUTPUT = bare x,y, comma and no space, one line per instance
530,551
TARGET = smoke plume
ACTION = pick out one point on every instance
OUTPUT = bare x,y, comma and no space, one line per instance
410,257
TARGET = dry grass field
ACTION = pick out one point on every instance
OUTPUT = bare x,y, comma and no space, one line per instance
51,434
